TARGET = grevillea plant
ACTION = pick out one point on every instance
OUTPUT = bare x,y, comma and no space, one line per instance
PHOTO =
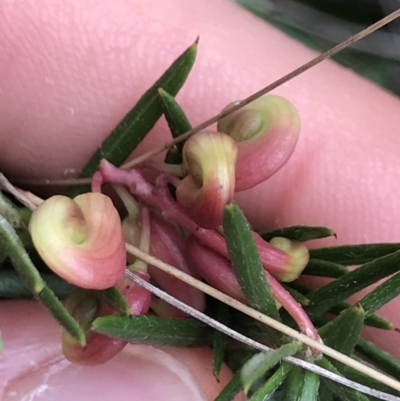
186,218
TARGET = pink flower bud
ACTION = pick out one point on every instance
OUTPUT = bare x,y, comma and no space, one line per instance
283,258
209,164
139,299
266,131
168,246
81,239
298,255
214,268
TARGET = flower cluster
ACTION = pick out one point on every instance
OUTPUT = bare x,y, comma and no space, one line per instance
83,239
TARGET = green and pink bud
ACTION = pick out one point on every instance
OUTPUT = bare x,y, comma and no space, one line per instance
285,259
81,239
85,306
209,167
266,131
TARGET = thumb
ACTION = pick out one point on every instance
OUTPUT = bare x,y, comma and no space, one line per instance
33,367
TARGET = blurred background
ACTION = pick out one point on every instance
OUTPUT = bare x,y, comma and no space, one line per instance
321,24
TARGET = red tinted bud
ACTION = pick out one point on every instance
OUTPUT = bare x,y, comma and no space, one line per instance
209,164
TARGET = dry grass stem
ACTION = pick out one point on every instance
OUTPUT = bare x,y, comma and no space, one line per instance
263,318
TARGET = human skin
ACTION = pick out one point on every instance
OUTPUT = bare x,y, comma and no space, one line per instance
69,72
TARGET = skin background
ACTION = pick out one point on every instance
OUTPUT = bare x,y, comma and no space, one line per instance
70,71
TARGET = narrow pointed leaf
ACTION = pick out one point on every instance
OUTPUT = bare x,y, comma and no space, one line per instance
381,295
219,339
343,333
292,385
300,385
10,212
299,233
310,387
342,392
176,118
361,378
260,363
57,309
154,330
354,254
177,122
272,384
1,343
339,290
32,279
371,320
298,296
140,119
379,357
246,262
12,286
323,268
231,390
115,300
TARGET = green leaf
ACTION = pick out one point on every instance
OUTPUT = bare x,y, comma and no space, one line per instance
57,309
310,387
372,320
272,384
12,286
292,385
300,385
154,330
10,212
178,124
381,295
298,296
115,300
343,332
10,241
339,290
140,120
219,338
358,377
341,392
260,363
323,268
379,357
246,262
231,390
299,233
354,254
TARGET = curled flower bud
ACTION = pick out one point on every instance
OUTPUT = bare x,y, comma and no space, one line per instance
266,131
81,239
299,257
209,164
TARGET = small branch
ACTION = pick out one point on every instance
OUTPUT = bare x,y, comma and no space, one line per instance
300,70
263,318
26,198
254,344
